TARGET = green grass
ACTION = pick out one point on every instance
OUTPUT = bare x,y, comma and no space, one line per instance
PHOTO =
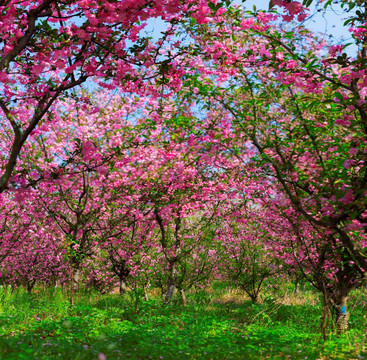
211,326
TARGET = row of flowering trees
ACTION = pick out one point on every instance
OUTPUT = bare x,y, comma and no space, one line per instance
170,210
301,105
234,146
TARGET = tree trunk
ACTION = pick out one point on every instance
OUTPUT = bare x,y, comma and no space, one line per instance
76,279
171,282
252,293
74,283
341,315
335,315
145,288
30,285
326,318
122,287
296,288
183,297
254,298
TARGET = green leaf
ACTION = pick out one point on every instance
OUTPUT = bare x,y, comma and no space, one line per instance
347,22
211,6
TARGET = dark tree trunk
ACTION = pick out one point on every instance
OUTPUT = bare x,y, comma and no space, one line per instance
30,286
254,298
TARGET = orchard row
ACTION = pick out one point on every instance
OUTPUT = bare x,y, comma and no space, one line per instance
232,147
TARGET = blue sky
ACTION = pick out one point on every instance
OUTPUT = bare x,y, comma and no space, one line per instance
329,23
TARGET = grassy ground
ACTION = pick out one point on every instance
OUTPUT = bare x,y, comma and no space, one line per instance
216,325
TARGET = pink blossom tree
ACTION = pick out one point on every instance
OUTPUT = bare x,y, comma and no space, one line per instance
49,47
301,106
248,251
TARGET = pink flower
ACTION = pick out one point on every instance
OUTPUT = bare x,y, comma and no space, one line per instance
348,198
291,64
348,164
355,226
343,122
